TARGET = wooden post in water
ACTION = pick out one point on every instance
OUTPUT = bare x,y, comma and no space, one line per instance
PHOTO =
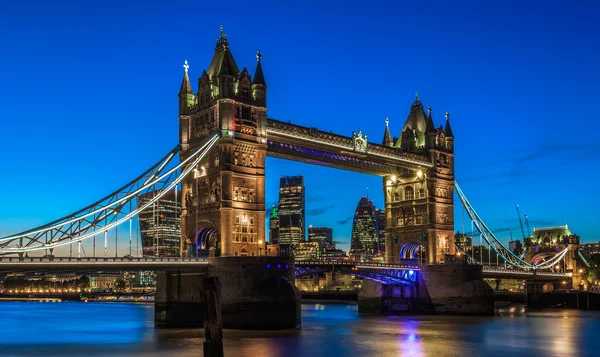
213,327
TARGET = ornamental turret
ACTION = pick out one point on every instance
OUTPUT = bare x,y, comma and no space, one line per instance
449,135
387,138
430,132
259,86
186,96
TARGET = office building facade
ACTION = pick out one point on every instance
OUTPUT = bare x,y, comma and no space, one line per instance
160,224
291,210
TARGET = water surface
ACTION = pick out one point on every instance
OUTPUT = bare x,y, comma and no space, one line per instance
124,329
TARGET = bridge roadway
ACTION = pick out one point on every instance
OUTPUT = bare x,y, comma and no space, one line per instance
57,264
491,272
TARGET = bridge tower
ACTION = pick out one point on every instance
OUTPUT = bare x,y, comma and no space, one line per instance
223,201
419,201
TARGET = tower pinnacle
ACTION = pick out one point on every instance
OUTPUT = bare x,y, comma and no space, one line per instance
448,129
222,40
186,86
259,77
387,138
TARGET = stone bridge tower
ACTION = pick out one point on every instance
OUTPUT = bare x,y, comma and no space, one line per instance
223,201
419,202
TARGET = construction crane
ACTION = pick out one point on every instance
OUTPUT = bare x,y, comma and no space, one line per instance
520,221
527,225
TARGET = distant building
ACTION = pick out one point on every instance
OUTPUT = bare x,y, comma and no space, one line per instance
160,225
278,250
321,235
364,230
549,237
463,241
589,249
104,280
333,254
307,251
515,246
380,227
291,210
274,226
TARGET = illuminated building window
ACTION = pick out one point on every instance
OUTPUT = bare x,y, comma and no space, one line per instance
422,193
396,196
409,193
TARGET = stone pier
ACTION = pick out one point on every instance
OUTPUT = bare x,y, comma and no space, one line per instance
454,289
256,293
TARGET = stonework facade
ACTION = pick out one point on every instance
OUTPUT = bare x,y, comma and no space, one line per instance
226,194
419,202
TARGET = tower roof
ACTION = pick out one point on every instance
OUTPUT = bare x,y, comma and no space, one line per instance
259,77
417,121
222,62
448,130
186,86
554,232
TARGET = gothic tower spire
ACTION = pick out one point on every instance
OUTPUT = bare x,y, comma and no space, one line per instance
259,86
449,135
186,96
387,138
448,130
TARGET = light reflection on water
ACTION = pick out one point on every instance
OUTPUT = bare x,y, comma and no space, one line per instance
121,329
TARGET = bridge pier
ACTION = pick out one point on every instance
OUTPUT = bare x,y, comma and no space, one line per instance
454,289
377,298
256,293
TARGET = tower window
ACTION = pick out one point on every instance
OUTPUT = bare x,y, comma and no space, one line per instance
409,193
245,91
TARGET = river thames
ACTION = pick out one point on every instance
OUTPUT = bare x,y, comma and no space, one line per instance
122,329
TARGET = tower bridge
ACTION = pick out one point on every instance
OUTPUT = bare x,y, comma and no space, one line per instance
219,163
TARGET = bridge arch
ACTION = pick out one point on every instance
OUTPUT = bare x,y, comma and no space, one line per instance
205,242
413,250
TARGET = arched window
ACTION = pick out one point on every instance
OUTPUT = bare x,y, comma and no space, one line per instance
244,252
409,193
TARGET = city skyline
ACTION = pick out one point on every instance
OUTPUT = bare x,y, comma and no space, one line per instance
508,117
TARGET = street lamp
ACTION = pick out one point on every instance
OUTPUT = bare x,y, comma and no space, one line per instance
260,242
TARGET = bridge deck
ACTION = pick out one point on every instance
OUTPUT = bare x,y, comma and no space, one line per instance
100,264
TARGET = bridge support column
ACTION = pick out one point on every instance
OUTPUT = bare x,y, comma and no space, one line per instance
178,301
455,289
377,298
256,293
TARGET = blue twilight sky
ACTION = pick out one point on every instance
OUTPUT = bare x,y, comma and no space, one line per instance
88,96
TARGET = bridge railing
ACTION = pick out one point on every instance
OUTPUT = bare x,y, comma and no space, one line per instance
361,264
58,260
522,271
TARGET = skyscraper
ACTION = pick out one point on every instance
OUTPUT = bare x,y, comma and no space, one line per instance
380,226
364,230
160,225
274,226
291,210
